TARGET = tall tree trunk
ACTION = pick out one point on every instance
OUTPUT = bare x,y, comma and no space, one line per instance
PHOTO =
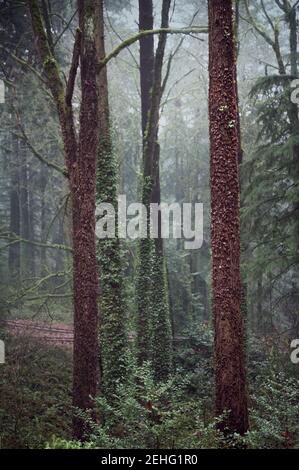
14,257
225,225
43,221
80,159
113,307
144,276
31,203
292,19
162,338
152,290
28,252
146,22
293,114
24,205
84,243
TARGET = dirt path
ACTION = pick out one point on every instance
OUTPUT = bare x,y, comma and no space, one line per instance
58,334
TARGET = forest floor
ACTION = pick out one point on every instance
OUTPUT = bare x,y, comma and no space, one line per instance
35,383
36,395
54,333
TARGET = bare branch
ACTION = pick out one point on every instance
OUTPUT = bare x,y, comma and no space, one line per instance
121,39
281,5
174,85
23,136
50,65
14,240
67,25
267,16
273,43
39,244
23,63
257,27
173,54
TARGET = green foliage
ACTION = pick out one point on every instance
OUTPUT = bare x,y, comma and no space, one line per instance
274,395
275,412
35,394
153,322
194,361
111,260
176,413
154,342
269,201
150,415
144,300
158,404
58,443
162,340
144,283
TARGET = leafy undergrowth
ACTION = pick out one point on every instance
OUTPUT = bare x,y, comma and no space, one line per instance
35,401
179,413
35,394
161,417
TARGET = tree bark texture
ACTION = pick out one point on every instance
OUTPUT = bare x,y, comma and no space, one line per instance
80,158
84,244
225,225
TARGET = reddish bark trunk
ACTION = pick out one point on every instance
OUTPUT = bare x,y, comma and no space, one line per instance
84,244
225,206
80,159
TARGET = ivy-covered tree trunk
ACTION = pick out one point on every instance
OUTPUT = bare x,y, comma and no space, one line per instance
144,275
162,338
113,335
154,328
80,159
225,226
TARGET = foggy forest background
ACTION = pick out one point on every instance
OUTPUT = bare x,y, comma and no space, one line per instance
147,405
